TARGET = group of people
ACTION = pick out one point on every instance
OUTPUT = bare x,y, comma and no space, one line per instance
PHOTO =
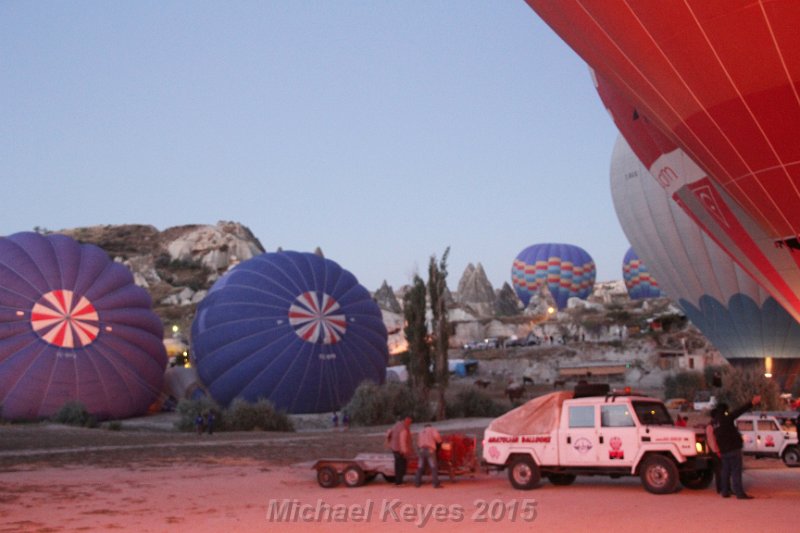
726,443
398,438
204,422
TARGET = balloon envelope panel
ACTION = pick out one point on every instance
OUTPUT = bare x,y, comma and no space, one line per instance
638,280
294,328
74,327
739,317
719,78
566,270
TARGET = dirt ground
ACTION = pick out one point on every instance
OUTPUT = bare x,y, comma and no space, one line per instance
55,478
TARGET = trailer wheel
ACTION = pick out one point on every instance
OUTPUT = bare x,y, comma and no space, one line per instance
697,479
523,473
353,476
327,477
791,456
659,474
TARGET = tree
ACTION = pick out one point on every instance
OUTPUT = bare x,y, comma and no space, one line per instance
416,332
437,288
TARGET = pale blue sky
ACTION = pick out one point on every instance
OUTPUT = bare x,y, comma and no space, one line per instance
380,131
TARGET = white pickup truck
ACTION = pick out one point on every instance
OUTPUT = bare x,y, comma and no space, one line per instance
565,434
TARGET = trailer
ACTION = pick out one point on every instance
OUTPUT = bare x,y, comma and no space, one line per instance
456,456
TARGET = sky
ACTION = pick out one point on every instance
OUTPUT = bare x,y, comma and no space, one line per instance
380,131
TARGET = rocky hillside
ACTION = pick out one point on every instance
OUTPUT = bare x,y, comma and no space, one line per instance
178,265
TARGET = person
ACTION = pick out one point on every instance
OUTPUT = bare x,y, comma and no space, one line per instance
210,422
428,442
714,448
399,440
335,419
346,420
797,423
730,445
198,423
681,421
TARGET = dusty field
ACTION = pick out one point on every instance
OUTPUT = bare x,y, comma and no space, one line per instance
63,479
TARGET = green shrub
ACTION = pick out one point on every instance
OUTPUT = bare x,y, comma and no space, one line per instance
473,403
262,415
374,404
684,384
74,413
114,425
188,411
739,386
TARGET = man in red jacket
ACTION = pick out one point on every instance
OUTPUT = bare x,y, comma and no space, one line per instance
399,440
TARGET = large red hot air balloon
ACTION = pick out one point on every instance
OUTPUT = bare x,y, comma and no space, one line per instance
720,81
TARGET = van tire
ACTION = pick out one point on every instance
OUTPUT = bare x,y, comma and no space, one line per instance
523,473
659,474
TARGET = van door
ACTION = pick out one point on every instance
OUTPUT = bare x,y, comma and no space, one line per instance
769,437
618,436
747,428
578,444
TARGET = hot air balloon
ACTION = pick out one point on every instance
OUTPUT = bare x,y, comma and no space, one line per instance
719,81
294,328
734,313
708,205
566,270
74,327
638,280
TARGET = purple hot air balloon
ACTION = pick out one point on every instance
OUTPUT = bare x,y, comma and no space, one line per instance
74,327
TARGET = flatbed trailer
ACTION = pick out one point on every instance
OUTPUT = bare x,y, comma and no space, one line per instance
456,456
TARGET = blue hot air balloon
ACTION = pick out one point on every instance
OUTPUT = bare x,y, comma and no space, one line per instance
566,270
638,280
74,327
294,328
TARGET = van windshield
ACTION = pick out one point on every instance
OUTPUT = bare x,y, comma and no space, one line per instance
652,413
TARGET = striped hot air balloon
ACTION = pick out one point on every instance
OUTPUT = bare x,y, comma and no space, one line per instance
566,270
638,280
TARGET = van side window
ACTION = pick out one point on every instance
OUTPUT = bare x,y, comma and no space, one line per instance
767,425
615,416
581,416
744,425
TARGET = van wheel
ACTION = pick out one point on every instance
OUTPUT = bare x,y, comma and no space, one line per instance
697,479
523,473
659,474
791,456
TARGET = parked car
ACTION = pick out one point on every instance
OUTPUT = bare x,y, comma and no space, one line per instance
768,434
704,401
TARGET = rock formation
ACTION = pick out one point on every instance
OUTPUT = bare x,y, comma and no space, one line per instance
387,300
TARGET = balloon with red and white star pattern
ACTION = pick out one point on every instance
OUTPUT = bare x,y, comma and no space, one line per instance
294,328
74,327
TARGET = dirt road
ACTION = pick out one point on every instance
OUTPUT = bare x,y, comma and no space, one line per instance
143,481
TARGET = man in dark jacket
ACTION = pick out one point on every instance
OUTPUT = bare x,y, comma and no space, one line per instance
730,445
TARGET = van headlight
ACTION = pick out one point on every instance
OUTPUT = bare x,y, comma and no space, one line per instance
699,447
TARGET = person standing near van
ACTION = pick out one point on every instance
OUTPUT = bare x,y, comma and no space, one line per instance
730,445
